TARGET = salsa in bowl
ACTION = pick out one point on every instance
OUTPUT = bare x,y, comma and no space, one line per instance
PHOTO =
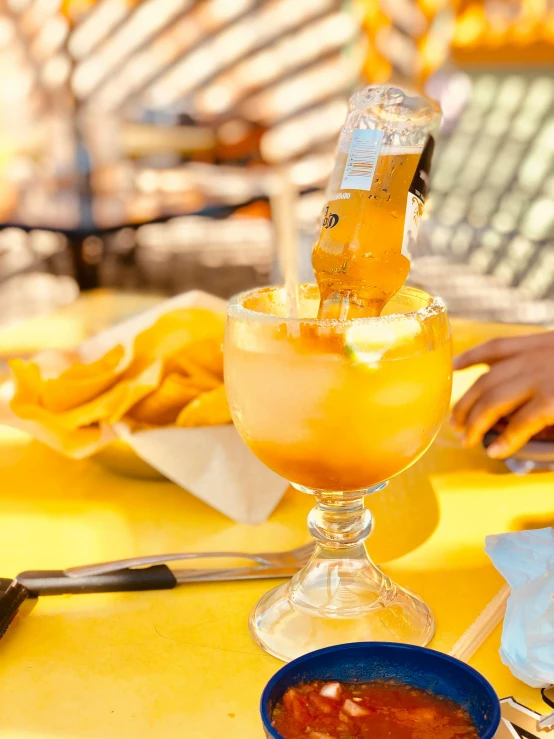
373,690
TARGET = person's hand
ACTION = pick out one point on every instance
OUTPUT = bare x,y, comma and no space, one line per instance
519,384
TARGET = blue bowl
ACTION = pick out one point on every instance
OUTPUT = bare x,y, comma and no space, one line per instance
365,661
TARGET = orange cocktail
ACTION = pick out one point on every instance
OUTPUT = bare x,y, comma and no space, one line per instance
337,408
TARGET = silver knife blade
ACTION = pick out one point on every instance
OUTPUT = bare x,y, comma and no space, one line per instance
257,572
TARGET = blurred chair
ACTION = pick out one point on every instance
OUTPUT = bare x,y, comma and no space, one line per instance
492,196
221,256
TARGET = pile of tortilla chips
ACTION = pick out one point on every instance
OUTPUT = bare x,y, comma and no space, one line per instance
172,374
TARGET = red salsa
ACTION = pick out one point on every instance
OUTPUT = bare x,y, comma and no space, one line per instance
373,710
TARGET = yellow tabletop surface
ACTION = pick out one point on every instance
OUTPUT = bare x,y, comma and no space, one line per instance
180,663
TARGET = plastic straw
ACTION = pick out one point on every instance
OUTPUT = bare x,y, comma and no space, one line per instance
283,200
482,627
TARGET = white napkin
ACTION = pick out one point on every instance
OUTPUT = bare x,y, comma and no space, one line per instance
526,560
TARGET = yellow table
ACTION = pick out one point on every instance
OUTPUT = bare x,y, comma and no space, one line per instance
180,663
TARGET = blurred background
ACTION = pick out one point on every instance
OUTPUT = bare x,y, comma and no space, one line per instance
138,139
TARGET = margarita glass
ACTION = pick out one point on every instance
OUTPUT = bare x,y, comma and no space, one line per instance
337,408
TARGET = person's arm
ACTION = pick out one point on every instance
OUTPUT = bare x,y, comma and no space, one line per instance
519,384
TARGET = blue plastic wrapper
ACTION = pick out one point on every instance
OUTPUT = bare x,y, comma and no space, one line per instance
524,466
526,560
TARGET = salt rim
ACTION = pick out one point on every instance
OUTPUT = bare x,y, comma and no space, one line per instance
422,315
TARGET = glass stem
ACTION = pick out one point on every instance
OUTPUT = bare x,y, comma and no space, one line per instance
341,520
340,576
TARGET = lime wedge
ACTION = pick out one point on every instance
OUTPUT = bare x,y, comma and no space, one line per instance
367,342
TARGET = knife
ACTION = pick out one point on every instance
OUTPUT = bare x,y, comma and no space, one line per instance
157,577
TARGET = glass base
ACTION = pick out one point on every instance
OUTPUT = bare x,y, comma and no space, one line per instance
344,606
340,595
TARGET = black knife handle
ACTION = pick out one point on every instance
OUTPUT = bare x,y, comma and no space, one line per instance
55,582
10,601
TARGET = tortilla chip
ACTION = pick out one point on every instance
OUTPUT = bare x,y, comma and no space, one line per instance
52,362
186,368
209,409
109,407
206,354
81,382
77,384
162,406
174,331
134,426
28,383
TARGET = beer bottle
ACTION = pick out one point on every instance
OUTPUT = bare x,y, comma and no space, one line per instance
374,201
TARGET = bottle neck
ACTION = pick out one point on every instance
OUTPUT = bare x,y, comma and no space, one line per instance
343,305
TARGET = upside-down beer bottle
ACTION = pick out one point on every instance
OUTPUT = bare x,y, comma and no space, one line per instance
374,201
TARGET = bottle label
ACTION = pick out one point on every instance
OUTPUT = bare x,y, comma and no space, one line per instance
417,194
362,159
